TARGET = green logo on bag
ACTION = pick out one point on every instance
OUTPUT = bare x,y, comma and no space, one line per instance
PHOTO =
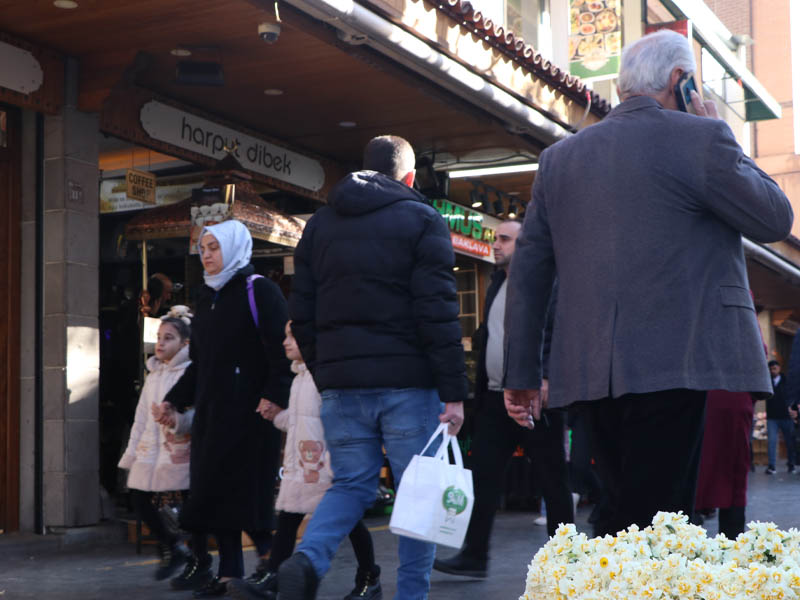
454,500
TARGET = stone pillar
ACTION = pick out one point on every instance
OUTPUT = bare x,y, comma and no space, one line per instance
71,336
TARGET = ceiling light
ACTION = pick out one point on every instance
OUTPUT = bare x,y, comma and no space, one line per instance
273,92
181,52
486,171
347,123
65,4
455,268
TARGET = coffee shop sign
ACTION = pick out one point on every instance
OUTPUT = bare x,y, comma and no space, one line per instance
185,130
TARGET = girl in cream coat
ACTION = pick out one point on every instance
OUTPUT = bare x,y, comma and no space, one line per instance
158,455
306,476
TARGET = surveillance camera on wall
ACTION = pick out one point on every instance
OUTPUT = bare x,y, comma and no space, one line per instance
269,32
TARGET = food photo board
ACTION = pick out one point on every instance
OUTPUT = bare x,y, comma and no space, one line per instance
595,40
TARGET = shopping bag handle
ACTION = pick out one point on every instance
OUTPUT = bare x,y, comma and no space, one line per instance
440,430
447,440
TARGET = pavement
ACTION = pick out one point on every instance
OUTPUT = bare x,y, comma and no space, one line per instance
113,570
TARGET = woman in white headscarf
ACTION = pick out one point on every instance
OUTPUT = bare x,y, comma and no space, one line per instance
237,359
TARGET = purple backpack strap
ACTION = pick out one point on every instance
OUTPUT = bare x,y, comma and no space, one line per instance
251,296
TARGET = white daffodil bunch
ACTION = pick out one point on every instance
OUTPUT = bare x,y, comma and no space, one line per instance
670,559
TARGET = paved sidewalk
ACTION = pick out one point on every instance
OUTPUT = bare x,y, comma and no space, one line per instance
116,572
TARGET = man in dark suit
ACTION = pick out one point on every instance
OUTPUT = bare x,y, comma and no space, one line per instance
496,436
779,419
642,216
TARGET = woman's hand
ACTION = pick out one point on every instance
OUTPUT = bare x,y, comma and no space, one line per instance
164,414
268,410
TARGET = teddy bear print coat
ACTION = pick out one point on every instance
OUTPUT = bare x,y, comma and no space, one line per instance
157,456
306,464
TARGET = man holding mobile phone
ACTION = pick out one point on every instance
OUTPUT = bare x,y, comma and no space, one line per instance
653,306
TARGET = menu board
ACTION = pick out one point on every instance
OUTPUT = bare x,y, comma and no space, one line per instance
595,40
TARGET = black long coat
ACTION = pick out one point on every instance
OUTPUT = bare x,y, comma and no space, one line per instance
235,452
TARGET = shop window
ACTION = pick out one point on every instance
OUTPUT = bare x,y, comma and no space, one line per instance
721,84
467,286
794,36
528,19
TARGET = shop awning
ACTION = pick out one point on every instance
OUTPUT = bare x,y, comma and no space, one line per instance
719,41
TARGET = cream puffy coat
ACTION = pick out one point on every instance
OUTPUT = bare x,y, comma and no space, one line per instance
157,456
306,463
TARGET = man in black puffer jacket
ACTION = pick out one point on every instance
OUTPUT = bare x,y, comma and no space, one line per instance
374,309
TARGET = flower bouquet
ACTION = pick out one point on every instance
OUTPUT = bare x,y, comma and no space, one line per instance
670,559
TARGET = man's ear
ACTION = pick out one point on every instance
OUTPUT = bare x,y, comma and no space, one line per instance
408,178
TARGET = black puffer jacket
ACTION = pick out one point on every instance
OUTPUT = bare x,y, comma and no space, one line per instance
374,300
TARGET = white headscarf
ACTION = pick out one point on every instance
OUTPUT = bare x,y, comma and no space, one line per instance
236,245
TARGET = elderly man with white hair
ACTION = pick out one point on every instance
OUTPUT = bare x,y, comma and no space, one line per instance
642,217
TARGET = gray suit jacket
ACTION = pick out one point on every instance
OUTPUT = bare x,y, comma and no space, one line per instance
642,216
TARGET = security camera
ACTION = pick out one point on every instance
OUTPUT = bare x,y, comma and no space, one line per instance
269,32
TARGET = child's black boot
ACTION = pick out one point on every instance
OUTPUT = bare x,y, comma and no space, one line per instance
368,585
172,557
196,574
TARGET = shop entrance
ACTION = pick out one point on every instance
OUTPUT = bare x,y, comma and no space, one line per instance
9,317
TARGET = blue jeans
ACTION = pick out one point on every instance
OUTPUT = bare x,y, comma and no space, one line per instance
786,427
358,422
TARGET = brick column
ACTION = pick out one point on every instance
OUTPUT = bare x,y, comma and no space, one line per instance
71,336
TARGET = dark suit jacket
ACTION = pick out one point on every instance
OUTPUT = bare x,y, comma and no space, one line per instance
778,405
480,338
642,215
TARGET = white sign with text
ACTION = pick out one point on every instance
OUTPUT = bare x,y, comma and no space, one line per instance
185,130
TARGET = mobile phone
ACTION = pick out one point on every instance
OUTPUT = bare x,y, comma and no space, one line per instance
685,85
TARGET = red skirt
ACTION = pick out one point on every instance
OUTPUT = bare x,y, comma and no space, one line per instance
725,459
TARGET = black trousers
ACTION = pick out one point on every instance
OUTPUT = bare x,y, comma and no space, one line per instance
496,438
286,535
229,544
647,451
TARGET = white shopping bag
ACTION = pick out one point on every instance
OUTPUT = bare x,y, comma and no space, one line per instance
434,500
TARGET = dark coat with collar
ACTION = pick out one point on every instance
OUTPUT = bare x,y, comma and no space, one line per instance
235,453
778,405
642,216
480,339
374,302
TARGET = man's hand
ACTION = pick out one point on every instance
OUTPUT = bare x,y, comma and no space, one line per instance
793,414
523,406
704,108
163,414
268,410
454,415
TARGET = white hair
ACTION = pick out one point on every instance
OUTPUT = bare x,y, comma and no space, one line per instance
648,62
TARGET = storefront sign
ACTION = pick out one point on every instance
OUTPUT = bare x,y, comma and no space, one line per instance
471,247
595,40
185,130
471,232
141,186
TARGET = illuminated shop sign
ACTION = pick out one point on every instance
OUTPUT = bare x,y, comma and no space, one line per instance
471,232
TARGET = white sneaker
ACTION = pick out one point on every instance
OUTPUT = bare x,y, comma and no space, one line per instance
540,520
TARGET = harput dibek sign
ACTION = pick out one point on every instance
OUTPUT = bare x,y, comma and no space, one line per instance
471,232
185,130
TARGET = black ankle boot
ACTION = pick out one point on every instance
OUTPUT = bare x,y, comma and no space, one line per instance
196,574
462,564
213,589
172,557
368,585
